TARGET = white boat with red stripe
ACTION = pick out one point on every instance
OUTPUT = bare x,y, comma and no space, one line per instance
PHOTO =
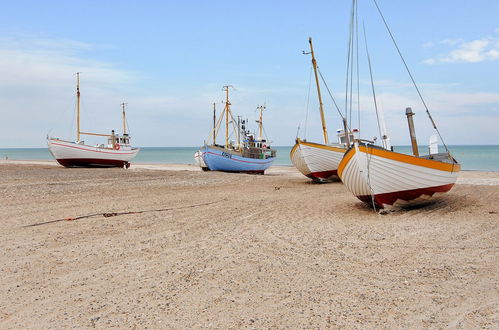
117,152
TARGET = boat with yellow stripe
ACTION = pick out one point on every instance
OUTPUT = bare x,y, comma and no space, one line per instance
381,177
386,178
319,161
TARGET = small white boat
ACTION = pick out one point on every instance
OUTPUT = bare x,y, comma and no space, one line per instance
319,161
386,178
381,177
117,152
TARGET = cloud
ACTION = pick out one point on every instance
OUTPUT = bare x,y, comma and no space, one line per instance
475,51
428,44
37,96
451,42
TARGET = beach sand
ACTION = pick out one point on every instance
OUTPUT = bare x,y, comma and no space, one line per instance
239,251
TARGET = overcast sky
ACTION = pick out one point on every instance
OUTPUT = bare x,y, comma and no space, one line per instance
169,60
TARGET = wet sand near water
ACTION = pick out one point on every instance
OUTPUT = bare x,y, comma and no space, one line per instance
218,250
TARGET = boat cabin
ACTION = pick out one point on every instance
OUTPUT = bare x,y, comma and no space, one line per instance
118,142
340,133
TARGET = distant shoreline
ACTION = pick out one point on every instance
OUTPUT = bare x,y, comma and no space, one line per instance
173,166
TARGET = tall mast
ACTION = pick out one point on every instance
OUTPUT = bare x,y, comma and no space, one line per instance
261,108
124,118
321,107
78,106
214,123
238,132
227,109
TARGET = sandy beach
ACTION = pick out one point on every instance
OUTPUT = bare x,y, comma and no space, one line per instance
216,250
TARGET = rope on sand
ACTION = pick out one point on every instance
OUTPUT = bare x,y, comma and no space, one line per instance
113,214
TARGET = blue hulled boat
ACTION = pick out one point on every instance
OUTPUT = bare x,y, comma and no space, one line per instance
250,159
247,154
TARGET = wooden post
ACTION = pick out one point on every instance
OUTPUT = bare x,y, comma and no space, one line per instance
412,132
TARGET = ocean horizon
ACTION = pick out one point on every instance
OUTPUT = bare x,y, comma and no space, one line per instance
471,157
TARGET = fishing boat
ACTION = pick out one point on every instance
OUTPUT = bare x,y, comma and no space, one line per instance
319,161
117,152
381,177
247,154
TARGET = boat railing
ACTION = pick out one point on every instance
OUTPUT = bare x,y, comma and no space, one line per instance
258,153
443,157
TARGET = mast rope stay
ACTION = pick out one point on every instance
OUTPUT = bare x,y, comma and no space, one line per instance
308,100
372,82
347,80
410,75
330,94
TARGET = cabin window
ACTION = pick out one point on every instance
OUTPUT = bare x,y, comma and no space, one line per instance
342,139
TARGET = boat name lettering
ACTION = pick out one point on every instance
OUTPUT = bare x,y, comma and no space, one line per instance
226,155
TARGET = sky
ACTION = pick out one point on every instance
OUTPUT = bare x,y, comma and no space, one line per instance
169,60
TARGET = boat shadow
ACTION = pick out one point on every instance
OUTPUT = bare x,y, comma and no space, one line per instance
441,204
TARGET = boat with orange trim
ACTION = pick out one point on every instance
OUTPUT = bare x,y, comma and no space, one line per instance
319,161
118,151
381,177
384,178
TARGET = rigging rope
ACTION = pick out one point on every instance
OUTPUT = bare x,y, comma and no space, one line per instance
308,99
372,82
348,59
352,55
357,60
330,94
410,75
112,214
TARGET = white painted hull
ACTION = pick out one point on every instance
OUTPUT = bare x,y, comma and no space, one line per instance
317,161
387,178
71,154
198,159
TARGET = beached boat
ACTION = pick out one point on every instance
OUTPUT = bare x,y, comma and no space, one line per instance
247,154
117,152
381,177
198,159
319,161
387,178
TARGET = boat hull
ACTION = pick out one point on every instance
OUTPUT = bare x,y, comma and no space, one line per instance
198,159
389,179
70,154
317,161
220,159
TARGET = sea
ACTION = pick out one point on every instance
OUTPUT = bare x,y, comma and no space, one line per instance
471,157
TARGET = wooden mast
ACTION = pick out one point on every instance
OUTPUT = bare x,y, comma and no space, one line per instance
77,106
261,108
124,118
227,109
214,123
321,107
